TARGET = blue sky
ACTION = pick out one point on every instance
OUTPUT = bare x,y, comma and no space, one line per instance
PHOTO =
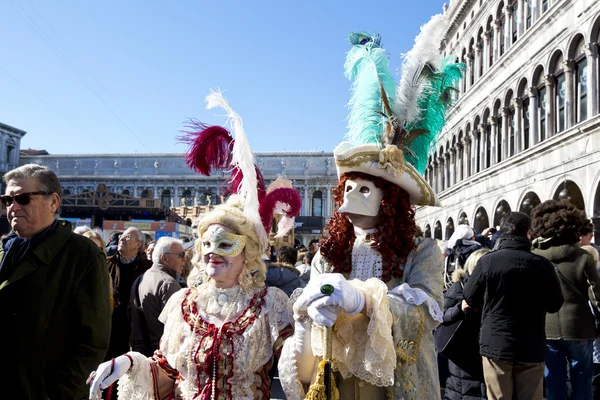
123,76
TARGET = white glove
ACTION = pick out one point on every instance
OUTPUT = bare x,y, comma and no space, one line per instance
324,309
305,359
106,374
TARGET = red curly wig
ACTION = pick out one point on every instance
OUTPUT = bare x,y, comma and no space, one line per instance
396,229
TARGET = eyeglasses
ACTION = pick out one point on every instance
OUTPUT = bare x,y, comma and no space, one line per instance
22,198
181,254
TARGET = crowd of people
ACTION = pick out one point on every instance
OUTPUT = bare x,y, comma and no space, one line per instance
374,310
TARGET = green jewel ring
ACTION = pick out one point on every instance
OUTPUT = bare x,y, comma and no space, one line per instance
327,289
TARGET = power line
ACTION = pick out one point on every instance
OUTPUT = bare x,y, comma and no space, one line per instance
36,28
53,109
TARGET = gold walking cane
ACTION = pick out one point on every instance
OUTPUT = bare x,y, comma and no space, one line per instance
324,387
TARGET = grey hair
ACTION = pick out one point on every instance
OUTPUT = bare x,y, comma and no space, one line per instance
47,179
163,245
139,235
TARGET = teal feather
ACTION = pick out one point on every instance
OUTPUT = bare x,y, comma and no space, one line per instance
366,65
433,104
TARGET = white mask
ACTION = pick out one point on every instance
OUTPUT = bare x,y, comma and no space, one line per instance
361,197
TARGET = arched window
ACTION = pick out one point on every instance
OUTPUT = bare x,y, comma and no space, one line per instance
502,30
500,131
511,131
189,199
526,124
165,198
580,79
145,194
317,204
515,21
561,95
125,192
66,192
488,145
472,56
541,102
464,78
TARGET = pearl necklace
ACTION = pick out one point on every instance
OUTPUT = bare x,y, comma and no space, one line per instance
221,296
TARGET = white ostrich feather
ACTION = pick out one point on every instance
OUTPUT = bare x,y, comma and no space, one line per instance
425,50
243,158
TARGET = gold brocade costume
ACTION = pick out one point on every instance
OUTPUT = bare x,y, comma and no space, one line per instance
389,352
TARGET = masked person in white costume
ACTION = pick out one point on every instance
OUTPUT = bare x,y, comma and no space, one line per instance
220,338
373,281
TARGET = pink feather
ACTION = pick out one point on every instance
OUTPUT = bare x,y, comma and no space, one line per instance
288,196
210,146
233,184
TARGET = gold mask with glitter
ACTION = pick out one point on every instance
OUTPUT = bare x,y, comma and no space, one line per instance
218,241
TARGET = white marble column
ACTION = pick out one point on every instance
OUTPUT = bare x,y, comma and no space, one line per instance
306,207
478,60
483,144
487,49
497,39
474,155
469,71
493,122
505,134
518,105
534,133
521,17
328,212
591,52
507,27
465,158
550,82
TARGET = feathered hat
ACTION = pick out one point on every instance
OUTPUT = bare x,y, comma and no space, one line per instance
391,129
215,147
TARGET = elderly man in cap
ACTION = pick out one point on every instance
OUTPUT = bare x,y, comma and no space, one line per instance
54,294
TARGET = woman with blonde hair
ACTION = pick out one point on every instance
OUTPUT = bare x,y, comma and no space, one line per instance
221,338
466,371
97,239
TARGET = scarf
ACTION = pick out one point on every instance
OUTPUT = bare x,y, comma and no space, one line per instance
16,248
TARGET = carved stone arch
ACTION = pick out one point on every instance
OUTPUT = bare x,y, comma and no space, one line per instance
537,77
554,62
480,219
501,209
528,201
508,96
437,230
568,189
486,115
489,24
522,88
497,108
594,35
576,38
448,228
500,10
427,231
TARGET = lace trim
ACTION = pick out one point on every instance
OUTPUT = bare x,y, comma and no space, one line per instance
288,372
417,297
138,383
363,345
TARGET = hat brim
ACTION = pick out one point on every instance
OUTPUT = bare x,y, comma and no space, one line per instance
365,159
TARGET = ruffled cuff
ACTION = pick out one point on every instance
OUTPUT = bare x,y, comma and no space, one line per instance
363,345
417,297
138,383
288,372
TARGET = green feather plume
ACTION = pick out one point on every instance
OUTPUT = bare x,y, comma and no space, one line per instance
433,104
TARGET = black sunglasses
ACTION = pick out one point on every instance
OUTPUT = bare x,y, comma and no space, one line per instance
22,198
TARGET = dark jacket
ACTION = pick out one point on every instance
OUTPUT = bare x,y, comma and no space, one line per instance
515,289
123,276
156,287
466,374
574,320
285,277
55,313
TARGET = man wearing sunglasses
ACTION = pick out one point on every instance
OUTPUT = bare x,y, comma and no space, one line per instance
54,293
151,292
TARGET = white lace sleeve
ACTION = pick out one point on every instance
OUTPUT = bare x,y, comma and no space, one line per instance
137,383
417,297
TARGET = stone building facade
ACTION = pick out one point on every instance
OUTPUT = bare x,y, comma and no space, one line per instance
10,145
526,124
167,177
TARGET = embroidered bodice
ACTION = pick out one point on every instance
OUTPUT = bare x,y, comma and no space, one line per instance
211,359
